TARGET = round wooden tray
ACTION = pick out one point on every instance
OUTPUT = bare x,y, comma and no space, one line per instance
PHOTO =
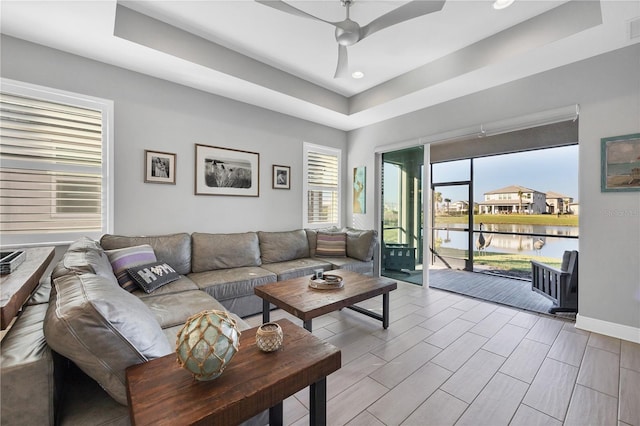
329,282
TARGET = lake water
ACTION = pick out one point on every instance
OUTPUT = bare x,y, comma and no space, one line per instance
554,244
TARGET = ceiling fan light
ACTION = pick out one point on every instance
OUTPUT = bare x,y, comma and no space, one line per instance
357,75
502,4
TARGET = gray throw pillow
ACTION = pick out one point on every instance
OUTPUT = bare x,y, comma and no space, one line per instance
154,275
361,243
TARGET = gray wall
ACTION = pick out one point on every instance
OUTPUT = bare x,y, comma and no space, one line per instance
158,115
155,114
607,88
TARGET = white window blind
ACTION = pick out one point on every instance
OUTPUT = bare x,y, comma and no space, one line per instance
53,166
321,186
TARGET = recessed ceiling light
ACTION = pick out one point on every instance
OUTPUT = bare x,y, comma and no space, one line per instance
357,75
502,4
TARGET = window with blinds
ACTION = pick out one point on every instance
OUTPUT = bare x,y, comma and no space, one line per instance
53,165
321,186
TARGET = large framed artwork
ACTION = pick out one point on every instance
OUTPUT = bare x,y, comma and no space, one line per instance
226,171
359,189
159,167
620,163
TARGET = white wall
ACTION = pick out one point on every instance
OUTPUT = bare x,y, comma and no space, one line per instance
154,114
607,88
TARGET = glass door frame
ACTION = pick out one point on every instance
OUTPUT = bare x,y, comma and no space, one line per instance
468,262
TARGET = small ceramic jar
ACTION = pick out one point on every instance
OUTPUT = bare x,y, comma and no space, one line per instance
269,337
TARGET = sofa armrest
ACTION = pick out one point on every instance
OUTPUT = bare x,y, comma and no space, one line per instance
27,382
376,260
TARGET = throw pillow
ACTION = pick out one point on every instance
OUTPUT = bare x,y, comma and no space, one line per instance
331,244
123,259
153,275
361,243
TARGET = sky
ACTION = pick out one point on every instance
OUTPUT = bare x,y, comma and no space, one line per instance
543,170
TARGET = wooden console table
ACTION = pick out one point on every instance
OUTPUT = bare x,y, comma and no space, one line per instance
16,287
160,392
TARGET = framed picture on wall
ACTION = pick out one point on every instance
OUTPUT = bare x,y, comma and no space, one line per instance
359,189
620,163
159,167
281,177
226,171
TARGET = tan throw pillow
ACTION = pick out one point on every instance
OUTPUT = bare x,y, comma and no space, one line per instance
331,244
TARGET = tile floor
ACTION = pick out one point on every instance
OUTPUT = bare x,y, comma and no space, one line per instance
449,359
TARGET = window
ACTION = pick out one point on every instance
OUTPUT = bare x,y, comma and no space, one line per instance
321,185
54,165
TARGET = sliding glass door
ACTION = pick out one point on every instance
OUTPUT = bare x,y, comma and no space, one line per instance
402,215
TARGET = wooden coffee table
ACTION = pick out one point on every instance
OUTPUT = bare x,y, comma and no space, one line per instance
160,392
296,297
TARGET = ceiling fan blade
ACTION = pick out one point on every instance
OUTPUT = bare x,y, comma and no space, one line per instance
405,12
342,69
286,7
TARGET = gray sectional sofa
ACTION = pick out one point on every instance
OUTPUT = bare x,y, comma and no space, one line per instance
64,359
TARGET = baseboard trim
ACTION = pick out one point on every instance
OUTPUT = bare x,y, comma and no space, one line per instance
612,329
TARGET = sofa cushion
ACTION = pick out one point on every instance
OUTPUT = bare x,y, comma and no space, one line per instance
152,276
297,268
226,284
102,328
349,264
27,393
283,246
331,244
125,258
178,286
224,251
361,243
175,249
174,309
171,333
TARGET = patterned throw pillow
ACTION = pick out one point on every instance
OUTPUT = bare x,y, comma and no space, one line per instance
123,259
154,275
331,244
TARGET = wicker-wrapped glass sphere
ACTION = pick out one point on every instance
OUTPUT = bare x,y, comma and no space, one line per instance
269,337
206,343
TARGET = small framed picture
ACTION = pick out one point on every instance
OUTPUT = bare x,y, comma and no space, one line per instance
159,167
281,177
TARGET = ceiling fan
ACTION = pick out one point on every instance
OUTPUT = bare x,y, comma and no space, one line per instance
349,32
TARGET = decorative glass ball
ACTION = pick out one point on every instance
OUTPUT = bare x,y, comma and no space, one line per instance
206,343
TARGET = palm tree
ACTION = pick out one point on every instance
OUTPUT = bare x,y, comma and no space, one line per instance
520,194
447,201
438,199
